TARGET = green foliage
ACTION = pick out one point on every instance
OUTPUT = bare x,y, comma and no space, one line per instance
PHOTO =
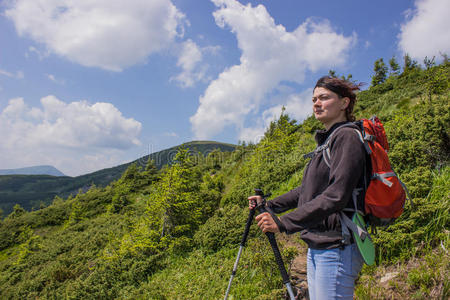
17,212
172,213
257,276
423,277
224,229
210,194
28,243
175,202
419,136
380,69
76,214
408,64
437,80
395,68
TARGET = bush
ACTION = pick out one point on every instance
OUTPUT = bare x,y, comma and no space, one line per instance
224,229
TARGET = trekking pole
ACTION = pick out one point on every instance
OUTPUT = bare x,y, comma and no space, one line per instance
243,241
276,251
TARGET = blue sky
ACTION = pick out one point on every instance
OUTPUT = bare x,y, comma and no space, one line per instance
86,85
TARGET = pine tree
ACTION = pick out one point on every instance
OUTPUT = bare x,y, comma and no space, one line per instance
150,167
348,78
409,64
176,198
429,63
380,70
17,211
445,58
150,173
395,68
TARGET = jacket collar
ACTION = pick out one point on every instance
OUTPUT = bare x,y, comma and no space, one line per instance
322,135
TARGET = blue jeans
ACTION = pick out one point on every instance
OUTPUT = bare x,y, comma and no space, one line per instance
332,273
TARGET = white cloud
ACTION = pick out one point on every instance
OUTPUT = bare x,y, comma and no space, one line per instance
52,77
297,106
252,134
170,134
37,52
188,60
270,55
191,61
17,75
426,31
76,137
110,34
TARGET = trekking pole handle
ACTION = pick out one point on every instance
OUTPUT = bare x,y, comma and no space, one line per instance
259,192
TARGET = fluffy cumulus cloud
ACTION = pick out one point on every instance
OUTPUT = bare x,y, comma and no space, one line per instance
77,137
110,34
425,33
297,106
270,55
188,60
191,61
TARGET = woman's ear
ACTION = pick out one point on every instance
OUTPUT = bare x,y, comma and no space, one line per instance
345,102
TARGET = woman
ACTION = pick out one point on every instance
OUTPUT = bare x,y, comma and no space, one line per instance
326,190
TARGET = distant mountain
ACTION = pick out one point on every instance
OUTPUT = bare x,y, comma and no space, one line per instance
31,190
35,170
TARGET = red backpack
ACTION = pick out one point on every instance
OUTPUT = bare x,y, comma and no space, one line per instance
386,194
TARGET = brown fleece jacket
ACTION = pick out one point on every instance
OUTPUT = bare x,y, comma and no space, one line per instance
325,191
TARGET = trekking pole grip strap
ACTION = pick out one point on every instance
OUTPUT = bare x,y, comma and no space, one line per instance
276,219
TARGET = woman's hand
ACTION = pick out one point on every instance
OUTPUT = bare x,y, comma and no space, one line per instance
253,201
266,223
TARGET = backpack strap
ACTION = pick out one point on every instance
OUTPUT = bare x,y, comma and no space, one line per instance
382,177
348,225
326,145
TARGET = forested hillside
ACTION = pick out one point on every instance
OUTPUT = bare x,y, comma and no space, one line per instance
37,191
174,233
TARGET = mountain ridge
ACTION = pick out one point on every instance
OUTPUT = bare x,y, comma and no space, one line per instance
33,170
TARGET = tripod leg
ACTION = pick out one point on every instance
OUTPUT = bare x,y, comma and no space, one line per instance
243,241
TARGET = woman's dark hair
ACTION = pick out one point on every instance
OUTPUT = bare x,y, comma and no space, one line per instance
342,88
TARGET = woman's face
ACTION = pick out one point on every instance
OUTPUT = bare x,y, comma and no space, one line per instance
328,107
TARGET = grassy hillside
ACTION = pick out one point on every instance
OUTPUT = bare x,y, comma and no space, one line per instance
173,233
36,191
